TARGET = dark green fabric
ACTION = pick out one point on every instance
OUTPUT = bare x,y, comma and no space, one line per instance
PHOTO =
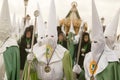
85,47
28,40
12,63
33,73
67,66
112,72
60,42
82,75
63,43
70,45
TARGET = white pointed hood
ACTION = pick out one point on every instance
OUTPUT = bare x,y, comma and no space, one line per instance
51,31
14,32
81,27
72,28
21,27
40,25
97,47
14,21
27,24
5,23
100,54
5,13
58,24
50,39
63,29
18,29
97,34
52,22
111,30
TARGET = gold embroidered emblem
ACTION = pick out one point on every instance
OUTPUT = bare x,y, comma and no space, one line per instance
49,51
93,67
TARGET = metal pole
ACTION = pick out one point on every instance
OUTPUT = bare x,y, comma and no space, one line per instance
80,42
25,4
36,14
79,48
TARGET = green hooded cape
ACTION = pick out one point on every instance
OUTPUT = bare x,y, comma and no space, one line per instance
12,63
111,72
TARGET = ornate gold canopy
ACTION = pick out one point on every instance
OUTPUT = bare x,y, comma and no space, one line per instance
74,17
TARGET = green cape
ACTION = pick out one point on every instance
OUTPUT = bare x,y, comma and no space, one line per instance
111,72
12,63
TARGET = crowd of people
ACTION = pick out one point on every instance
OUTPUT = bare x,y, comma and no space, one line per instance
49,53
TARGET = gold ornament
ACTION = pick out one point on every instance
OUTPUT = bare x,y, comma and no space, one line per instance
36,13
93,67
47,69
74,3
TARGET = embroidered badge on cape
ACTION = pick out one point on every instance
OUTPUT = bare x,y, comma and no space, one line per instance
93,67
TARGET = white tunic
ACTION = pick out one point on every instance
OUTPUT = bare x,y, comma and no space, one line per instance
56,66
56,72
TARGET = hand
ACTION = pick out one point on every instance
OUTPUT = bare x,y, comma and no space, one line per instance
30,57
75,41
83,50
28,50
77,69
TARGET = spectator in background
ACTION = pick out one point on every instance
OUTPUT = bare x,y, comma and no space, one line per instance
25,44
62,40
85,48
